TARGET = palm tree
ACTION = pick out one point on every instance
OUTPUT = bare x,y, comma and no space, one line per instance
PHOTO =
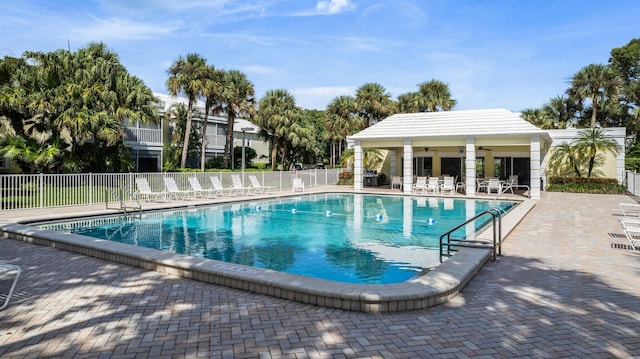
409,102
374,103
238,100
188,75
211,92
592,140
562,110
342,120
275,110
538,118
596,82
563,160
435,96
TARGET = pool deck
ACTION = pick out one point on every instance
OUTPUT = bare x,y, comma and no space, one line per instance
563,288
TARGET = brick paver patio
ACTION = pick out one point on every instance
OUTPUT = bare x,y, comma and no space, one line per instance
562,289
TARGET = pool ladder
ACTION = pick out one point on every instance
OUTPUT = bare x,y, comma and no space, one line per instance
450,245
123,208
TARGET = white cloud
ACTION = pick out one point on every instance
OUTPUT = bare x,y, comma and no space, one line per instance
329,7
120,29
332,7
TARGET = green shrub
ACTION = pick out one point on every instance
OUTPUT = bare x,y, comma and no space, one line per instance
345,178
585,185
632,164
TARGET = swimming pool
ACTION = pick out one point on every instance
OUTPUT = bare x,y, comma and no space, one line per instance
352,238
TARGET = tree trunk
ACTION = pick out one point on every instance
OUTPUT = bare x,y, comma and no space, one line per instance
228,148
594,105
203,150
274,153
187,136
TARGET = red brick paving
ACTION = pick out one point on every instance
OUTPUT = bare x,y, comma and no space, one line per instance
560,290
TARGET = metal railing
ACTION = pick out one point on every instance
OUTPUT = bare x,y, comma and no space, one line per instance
452,244
26,191
143,135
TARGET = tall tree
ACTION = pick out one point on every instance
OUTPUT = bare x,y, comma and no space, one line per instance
188,75
562,110
76,103
238,101
435,96
342,120
596,82
211,92
275,110
374,102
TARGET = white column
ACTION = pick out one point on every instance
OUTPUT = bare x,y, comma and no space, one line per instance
392,163
407,217
407,165
470,166
534,152
357,167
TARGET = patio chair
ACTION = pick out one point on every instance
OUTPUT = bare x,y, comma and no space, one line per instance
481,183
420,185
173,190
297,184
197,188
448,185
494,185
257,186
631,228
433,185
510,184
7,268
396,181
236,181
144,190
217,185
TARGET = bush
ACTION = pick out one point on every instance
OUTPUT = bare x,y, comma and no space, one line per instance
585,185
345,178
215,162
632,164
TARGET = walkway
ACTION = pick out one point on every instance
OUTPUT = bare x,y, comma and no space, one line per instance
562,289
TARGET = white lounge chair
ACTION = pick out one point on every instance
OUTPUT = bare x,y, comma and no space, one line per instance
173,190
259,188
144,191
433,186
448,185
236,181
217,185
631,228
630,209
420,185
7,268
197,188
297,184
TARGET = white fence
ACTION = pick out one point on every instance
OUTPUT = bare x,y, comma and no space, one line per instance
58,190
632,182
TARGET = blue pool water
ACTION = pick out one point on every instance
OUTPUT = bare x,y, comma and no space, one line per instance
351,238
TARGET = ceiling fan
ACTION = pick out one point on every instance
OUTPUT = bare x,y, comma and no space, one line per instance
481,148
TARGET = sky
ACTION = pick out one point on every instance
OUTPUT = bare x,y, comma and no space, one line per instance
513,54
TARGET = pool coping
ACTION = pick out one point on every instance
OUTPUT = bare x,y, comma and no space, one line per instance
430,289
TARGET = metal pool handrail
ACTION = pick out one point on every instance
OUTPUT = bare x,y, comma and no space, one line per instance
474,243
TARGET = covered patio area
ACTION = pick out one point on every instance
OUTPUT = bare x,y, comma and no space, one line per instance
468,145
